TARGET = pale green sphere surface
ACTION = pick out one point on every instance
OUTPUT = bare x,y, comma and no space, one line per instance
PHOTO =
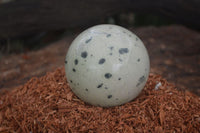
107,65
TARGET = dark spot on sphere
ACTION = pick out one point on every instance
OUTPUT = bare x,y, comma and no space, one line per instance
123,50
108,35
109,96
108,75
74,70
138,60
101,61
100,85
119,78
84,54
140,80
111,48
120,60
87,41
86,89
75,61
65,62
71,81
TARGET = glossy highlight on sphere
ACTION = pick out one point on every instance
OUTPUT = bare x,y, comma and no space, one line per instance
107,65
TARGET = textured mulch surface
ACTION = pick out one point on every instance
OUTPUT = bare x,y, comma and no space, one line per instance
46,104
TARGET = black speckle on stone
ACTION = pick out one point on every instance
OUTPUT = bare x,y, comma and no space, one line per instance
108,35
101,61
100,85
119,78
91,55
65,62
108,75
106,88
123,50
88,40
137,84
76,61
120,60
109,96
111,48
140,80
84,54
138,60
74,70
86,89
110,54
71,81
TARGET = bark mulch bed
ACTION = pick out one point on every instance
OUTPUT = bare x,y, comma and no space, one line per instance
46,104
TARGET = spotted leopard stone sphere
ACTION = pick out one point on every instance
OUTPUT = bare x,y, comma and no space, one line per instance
107,65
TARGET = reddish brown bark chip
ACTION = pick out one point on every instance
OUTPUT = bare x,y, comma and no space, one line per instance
47,104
